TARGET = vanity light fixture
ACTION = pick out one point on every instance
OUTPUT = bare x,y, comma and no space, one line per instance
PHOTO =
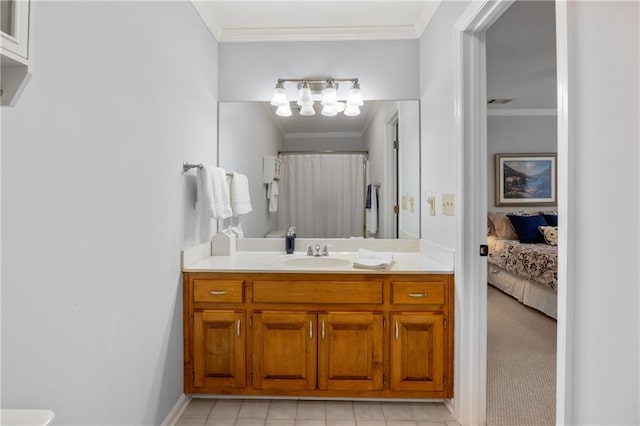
326,91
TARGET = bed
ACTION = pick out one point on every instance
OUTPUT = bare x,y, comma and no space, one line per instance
527,271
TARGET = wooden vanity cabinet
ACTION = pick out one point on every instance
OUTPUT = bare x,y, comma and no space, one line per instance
331,335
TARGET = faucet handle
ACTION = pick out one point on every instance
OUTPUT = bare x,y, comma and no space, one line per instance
325,252
309,250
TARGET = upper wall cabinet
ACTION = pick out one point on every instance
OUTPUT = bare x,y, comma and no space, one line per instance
14,49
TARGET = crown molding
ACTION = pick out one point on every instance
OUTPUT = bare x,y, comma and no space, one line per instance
425,17
327,135
522,112
208,18
317,34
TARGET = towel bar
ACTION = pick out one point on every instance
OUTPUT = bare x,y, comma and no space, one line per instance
186,167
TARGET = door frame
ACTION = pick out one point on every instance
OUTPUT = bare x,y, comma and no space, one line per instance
469,406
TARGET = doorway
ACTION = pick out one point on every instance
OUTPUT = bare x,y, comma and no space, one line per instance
470,267
521,298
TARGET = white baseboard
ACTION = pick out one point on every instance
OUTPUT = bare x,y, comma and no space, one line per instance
176,411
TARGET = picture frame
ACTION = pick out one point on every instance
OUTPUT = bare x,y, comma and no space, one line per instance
526,179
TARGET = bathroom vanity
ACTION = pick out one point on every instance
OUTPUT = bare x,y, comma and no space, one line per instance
253,325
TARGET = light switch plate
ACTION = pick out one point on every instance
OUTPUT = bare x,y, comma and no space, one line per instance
403,202
448,204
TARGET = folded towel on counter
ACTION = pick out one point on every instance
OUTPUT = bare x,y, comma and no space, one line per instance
212,197
240,199
368,259
272,195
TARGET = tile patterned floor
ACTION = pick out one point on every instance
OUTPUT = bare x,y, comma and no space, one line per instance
256,412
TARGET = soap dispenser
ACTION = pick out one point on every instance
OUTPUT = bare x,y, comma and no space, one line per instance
290,240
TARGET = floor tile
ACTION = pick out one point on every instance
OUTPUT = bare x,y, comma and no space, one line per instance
254,409
249,422
368,411
282,410
212,421
401,423
198,407
423,423
190,421
225,409
311,410
371,423
280,422
307,422
339,410
396,411
341,423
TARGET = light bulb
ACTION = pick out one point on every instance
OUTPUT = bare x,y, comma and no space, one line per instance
304,95
355,96
330,95
307,110
284,110
279,95
352,110
329,110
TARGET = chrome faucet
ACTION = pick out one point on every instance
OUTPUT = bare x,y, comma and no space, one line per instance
315,251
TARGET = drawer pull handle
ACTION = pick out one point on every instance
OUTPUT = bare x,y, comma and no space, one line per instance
418,294
238,327
396,330
322,329
310,330
218,292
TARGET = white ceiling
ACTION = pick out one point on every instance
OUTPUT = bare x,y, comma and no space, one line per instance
521,57
304,20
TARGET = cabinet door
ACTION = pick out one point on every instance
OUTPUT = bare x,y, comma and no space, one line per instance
219,349
284,350
417,351
350,351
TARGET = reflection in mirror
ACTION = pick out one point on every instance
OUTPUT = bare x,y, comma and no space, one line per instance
331,170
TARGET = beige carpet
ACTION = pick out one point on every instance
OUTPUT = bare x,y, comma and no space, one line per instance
521,363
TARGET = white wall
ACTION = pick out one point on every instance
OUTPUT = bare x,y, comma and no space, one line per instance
247,134
388,70
517,135
438,150
605,194
96,208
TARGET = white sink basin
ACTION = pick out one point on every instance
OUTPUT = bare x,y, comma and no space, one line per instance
316,262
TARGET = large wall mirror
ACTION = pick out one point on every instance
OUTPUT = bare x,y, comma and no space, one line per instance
332,168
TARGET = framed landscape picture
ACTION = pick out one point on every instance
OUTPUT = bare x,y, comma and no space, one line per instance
526,180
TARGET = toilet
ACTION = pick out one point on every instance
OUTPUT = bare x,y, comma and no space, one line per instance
26,417
279,233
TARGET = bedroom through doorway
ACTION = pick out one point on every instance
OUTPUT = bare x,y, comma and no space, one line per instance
522,213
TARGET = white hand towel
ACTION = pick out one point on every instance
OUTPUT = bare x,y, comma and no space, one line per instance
372,213
240,199
368,259
272,195
212,198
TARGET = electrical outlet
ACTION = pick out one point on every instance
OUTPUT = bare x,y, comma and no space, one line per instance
448,204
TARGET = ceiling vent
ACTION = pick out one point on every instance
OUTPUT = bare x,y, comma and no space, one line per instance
499,101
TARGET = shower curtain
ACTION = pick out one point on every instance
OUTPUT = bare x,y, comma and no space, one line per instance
323,195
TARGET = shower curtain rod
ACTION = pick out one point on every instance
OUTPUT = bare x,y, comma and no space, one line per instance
322,152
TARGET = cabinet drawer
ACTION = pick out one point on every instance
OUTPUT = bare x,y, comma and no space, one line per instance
417,293
317,292
220,291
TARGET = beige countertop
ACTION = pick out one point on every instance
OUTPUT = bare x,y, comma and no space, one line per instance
336,262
